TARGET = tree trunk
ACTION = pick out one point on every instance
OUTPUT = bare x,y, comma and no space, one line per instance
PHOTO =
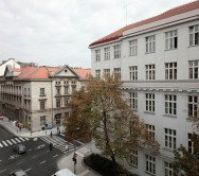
108,147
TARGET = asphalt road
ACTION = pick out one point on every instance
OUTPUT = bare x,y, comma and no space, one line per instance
38,161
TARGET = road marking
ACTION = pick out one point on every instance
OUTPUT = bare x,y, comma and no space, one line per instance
17,140
28,169
19,163
1,145
13,141
1,171
9,142
21,138
42,162
55,156
27,139
5,143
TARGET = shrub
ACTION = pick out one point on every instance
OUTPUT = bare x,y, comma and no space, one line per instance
104,166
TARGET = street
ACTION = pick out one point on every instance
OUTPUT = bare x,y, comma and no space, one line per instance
38,161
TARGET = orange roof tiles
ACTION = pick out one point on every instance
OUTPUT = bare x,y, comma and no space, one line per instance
31,72
172,12
82,73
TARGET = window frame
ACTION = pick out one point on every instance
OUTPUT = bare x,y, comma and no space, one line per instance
133,46
171,40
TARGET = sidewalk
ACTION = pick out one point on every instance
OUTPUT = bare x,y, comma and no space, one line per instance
81,168
10,126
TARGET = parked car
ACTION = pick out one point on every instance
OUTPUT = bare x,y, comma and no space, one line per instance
64,172
18,173
19,148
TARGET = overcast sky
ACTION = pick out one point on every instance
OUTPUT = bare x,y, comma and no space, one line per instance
58,32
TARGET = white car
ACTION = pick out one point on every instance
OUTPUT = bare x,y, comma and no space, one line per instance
64,172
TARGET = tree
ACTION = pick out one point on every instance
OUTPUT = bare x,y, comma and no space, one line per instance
77,124
116,130
187,160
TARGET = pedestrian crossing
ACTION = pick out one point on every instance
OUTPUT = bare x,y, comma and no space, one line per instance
58,143
13,141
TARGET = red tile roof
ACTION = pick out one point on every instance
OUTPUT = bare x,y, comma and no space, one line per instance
31,72
172,12
82,73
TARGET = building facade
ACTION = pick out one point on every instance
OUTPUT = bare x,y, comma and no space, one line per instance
157,60
37,95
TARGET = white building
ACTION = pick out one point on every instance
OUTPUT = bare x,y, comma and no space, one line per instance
158,60
39,95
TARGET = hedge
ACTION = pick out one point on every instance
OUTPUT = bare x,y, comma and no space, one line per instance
104,166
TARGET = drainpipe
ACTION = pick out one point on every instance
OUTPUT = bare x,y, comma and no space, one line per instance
52,99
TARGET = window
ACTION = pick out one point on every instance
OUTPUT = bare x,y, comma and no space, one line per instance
66,89
133,159
190,143
73,86
58,103
193,69
97,74
117,73
150,44
133,72
194,35
42,104
171,40
107,53
58,90
192,146
168,169
106,72
150,72
42,120
42,92
171,71
193,102
150,102
117,51
133,102
151,131
170,138
133,47
66,101
150,164
97,55
170,104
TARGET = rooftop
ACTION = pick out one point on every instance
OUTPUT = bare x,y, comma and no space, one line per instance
172,12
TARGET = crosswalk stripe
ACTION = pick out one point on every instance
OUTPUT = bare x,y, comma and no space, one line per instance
5,143
13,141
17,140
1,145
9,142
21,138
27,139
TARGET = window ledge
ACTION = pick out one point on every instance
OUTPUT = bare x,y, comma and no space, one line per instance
192,119
191,46
148,173
132,55
147,112
168,149
173,49
149,52
170,116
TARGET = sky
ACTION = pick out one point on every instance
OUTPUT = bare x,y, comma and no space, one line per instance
58,32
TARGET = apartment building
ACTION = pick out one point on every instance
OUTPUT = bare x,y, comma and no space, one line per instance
157,60
39,95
